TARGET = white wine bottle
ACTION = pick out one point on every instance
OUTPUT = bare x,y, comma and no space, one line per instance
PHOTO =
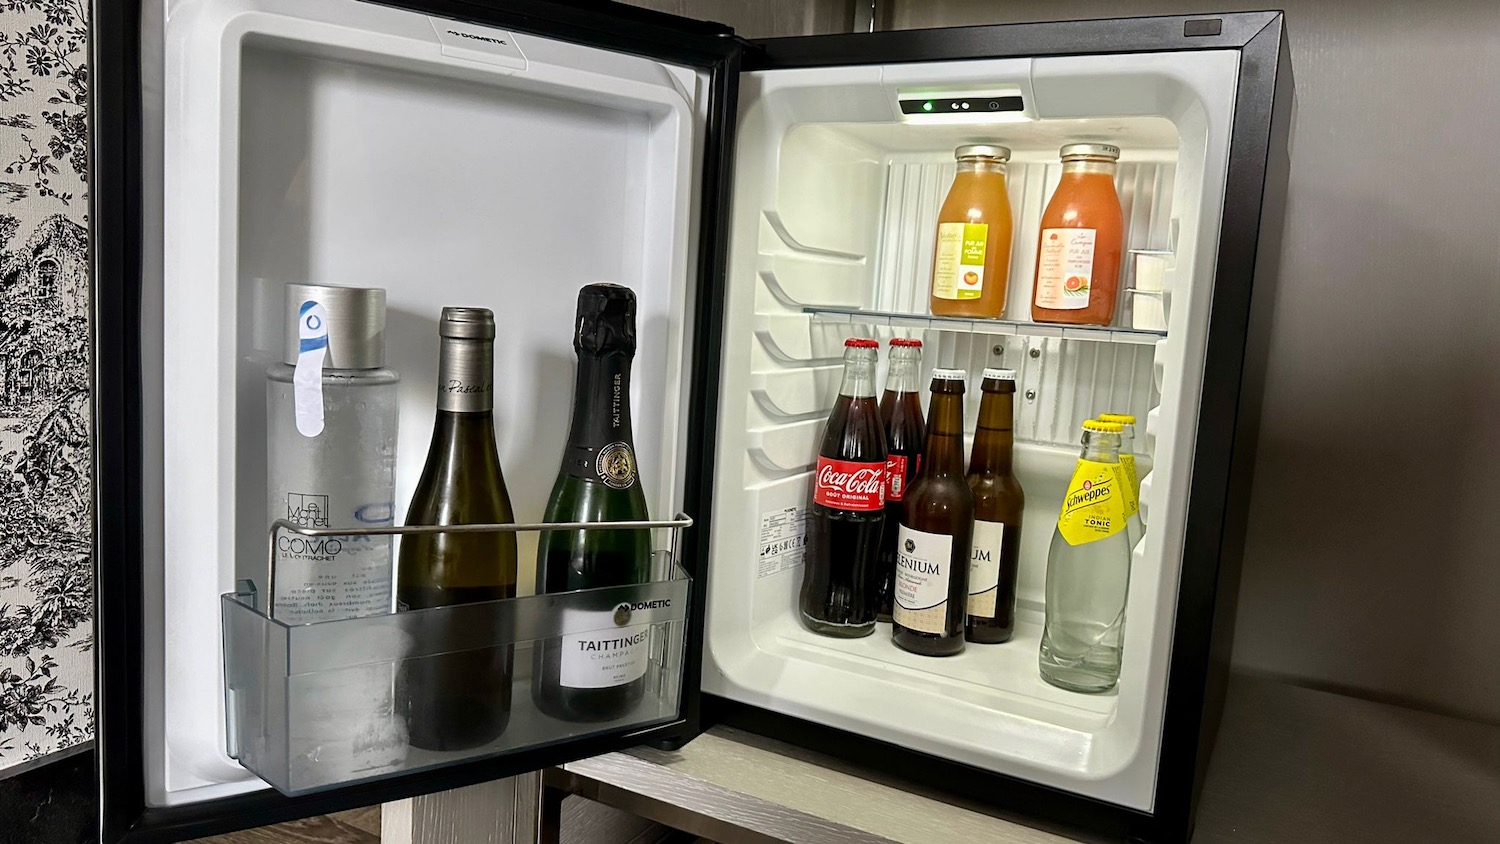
460,699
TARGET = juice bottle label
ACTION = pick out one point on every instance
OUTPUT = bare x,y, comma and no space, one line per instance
1064,269
1094,506
958,266
924,565
984,567
846,485
1132,483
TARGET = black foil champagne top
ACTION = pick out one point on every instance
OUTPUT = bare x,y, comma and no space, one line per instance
606,320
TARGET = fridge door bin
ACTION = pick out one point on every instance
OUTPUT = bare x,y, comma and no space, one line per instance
316,706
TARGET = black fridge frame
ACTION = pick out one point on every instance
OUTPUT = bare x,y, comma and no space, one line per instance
116,195
1217,494
1229,412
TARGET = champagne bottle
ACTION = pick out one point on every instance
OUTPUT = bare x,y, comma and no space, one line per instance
600,675
460,699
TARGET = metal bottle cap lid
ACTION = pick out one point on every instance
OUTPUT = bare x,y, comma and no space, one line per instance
354,320
1122,418
1102,427
467,324
994,151
606,319
1000,374
1090,150
949,375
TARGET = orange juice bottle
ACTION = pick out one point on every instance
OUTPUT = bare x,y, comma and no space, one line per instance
1078,256
971,264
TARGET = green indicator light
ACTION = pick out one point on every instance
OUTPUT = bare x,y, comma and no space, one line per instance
927,106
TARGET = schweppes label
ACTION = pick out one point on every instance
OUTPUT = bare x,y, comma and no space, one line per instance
1094,507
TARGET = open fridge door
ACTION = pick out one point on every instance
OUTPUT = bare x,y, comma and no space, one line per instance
452,154
845,152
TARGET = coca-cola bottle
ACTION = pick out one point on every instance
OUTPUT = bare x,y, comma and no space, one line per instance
848,506
905,437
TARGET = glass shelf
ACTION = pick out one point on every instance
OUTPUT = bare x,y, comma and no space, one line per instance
315,706
896,319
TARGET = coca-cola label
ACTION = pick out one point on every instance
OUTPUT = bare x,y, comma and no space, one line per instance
847,485
897,478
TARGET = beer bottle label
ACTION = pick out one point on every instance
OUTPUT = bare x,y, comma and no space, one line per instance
1132,483
924,565
610,656
984,567
1094,506
847,485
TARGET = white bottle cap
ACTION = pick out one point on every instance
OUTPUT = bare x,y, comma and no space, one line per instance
950,375
1000,374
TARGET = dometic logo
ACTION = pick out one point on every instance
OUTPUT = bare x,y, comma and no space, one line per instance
472,37
625,609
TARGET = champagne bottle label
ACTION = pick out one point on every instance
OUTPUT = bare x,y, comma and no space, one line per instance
616,465
602,658
1094,506
847,485
924,564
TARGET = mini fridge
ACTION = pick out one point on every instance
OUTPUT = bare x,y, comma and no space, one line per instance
765,200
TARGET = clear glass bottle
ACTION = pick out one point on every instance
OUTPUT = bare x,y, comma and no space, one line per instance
1088,571
332,409
1135,526
332,412
1081,240
971,259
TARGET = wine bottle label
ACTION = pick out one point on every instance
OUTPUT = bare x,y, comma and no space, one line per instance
847,485
466,375
989,551
924,565
616,465
1132,485
1094,506
958,266
599,659
1065,268
897,479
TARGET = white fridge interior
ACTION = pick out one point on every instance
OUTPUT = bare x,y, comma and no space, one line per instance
836,194
342,142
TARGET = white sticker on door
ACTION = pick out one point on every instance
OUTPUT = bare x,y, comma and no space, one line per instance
783,540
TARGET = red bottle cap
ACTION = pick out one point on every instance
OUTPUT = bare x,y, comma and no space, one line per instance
906,341
861,343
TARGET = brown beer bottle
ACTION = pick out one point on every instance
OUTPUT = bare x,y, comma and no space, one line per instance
932,547
998,502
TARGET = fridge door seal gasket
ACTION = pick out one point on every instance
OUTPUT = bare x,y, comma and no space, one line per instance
115,207
1225,435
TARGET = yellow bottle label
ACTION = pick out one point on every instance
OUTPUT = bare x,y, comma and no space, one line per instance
1094,507
958,265
1132,485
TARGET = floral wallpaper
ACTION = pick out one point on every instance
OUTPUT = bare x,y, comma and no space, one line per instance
46,570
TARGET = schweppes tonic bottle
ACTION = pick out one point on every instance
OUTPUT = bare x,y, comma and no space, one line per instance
1088,570
1134,528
